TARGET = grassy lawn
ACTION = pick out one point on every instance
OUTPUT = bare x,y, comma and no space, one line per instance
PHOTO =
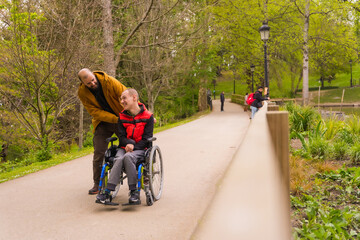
37,166
74,153
334,96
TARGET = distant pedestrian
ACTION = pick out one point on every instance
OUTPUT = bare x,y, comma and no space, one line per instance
222,99
245,103
209,101
257,103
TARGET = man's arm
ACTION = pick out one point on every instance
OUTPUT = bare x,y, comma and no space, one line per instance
96,112
148,133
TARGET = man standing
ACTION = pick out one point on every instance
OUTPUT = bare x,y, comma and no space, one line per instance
222,99
100,94
136,127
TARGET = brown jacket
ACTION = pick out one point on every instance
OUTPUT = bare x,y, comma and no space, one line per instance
112,89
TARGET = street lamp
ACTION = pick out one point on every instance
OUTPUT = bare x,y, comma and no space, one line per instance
350,73
252,68
264,33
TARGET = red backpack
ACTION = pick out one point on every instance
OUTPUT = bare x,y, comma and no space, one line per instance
250,99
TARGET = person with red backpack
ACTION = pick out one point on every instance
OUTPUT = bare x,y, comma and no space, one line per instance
255,101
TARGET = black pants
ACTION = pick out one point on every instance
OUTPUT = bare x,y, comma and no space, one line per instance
222,106
103,131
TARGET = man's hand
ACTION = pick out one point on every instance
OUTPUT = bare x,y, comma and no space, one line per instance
129,148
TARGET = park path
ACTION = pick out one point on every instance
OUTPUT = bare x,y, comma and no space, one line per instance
54,204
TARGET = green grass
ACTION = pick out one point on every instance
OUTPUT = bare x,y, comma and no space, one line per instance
34,167
334,96
74,153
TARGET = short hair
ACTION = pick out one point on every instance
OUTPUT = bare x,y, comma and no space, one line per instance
133,92
260,87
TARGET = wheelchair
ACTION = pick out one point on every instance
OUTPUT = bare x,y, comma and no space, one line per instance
150,172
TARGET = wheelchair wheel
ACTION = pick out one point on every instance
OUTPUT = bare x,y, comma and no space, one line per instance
156,173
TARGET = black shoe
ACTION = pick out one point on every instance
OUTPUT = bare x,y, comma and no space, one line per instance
134,197
94,190
103,198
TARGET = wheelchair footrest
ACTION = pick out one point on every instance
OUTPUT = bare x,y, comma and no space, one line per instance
107,203
132,204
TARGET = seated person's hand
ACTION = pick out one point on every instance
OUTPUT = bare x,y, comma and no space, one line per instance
129,148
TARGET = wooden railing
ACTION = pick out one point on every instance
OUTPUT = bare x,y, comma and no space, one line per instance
252,199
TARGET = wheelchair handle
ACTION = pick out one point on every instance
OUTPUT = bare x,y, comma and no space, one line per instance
152,139
111,139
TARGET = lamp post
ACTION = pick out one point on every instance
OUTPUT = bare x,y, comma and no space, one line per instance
264,34
350,73
252,68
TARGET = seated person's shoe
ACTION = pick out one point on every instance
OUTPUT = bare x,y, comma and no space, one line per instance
134,197
94,190
103,198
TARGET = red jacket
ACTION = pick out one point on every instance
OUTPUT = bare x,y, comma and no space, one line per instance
136,129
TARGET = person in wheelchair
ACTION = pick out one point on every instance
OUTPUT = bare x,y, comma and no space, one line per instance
136,125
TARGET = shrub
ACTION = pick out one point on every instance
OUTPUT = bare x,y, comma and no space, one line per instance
88,141
339,150
355,153
332,126
353,124
318,148
301,118
43,155
345,135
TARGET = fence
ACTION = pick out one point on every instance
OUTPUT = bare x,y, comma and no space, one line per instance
252,200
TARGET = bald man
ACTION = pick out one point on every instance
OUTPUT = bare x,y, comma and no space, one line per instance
100,94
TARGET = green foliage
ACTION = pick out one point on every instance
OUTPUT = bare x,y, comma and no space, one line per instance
355,153
339,150
10,170
301,118
88,141
318,148
44,153
327,209
353,124
331,126
345,135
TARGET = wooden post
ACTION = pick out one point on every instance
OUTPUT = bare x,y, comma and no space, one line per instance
278,123
81,126
342,99
279,130
273,108
319,98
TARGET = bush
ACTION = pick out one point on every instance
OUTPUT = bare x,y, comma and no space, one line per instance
43,155
345,135
88,141
355,153
339,150
332,126
318,148
353,124
301,118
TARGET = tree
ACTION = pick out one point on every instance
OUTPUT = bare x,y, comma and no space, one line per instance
34,73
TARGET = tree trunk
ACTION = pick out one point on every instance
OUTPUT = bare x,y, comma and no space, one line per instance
202,103
305,89
109,61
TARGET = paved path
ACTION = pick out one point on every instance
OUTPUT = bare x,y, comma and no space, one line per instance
54,204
